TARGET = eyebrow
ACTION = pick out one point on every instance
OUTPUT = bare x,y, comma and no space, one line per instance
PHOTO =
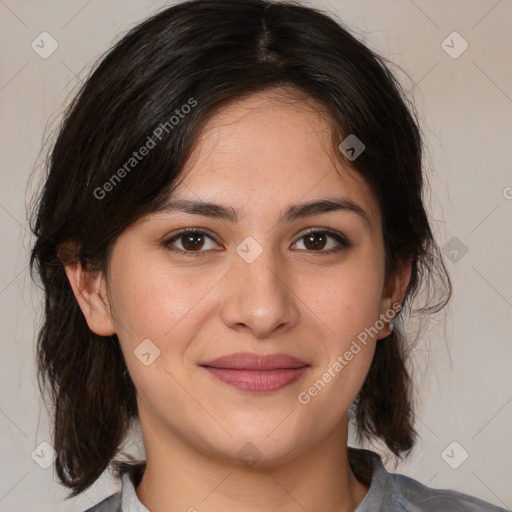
294,212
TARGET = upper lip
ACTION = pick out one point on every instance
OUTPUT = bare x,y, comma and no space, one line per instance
251,361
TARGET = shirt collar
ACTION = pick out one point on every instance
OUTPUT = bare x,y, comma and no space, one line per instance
129,500
381,486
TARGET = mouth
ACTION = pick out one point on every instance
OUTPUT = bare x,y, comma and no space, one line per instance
256,373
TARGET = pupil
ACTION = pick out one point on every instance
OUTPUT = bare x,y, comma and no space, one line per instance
189,241
310,239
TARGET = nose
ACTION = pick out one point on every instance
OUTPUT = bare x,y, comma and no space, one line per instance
259,297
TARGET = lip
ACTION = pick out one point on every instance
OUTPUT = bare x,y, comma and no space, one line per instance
256,373
251,361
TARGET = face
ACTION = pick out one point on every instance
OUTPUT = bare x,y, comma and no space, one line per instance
259,285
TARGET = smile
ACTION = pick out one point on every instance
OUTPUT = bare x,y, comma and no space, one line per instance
256,373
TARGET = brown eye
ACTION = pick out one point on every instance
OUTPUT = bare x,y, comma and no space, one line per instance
190,242
319,241
315,241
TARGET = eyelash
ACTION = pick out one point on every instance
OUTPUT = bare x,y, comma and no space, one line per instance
342,240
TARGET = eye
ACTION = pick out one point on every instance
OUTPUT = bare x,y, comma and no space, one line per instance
191,241
316,240
194,241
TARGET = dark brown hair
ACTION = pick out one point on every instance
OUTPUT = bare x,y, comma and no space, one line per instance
211,52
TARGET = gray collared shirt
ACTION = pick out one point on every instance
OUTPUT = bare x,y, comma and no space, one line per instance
388,492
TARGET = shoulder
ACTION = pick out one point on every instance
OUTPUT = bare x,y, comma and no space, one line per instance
130,474
110,504
393,492
413,496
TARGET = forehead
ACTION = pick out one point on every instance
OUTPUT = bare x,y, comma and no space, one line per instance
271,149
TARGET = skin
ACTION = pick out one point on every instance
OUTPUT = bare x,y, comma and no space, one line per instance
258,155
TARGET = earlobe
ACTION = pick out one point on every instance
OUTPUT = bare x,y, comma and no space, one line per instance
394,295
90,292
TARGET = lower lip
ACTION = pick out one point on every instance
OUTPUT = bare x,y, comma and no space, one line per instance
257,381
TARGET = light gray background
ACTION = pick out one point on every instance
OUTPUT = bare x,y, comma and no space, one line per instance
462,362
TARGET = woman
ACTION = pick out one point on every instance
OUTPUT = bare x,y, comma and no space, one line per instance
230,235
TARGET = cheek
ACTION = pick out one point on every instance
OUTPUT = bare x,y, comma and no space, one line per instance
348,306
350,300
166,306
153,301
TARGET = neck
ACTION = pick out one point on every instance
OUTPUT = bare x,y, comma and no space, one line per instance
181,477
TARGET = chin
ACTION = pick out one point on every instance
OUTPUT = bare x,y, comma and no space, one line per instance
261,450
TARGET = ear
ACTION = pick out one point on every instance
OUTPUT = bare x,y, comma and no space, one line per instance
90,291
393,296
